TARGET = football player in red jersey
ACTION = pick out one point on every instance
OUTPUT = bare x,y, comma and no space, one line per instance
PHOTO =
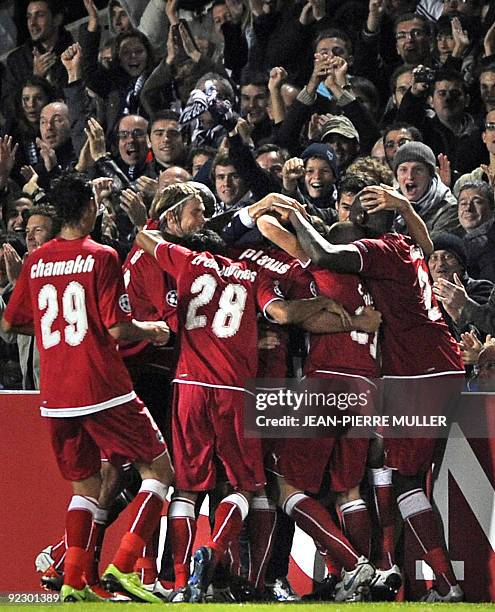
341,358
415,343
70,294
218,339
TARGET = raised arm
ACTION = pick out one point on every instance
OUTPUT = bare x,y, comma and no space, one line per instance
341,258
273,230
384,197
148,240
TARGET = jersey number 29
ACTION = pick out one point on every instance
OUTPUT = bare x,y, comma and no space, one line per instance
73,304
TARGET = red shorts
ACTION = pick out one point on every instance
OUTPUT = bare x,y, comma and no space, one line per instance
348,463
120,434
302,461
208,423
424,396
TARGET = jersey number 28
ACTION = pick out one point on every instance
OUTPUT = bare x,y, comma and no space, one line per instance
227,318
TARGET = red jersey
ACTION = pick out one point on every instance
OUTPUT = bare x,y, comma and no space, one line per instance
152,293
217,316
291,282
415,339
351,352
73,292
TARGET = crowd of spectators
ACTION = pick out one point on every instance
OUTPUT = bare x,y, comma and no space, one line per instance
314,99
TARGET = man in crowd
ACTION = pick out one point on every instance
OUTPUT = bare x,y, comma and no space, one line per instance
476,216
415,170
449,259
40,55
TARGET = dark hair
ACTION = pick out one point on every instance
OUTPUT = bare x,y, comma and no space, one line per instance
269,148
399,71
13,239
204,240
258,79
450,75
163,115
369,89
221,159
402,125
56,7
71,194
32,81
413,17
484,188
123,36
335,33
46,210
201,150
352,183
490,67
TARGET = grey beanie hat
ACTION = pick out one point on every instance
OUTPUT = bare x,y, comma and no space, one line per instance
415,152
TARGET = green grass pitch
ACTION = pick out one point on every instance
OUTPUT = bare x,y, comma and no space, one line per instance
290,607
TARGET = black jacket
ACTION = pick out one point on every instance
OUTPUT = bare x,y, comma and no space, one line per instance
480,247
464,150
20,66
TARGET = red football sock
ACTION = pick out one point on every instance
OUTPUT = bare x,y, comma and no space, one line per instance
419,518
97,534
146,564
231,558
357,525
261,522
312,518
229,515
78,529
385,506
58,554
147,508
182,524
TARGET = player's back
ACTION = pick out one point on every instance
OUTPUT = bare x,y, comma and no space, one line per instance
415,339
77,293
291,282
217,316
353,352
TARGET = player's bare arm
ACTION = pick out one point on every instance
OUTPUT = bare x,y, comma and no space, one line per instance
369,321
384,197
156,332
272,229
339,258
148,240
286,312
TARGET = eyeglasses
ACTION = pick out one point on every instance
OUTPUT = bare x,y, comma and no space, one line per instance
414,33
136,133
490,125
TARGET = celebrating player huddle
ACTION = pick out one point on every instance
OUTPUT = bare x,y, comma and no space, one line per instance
232,320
